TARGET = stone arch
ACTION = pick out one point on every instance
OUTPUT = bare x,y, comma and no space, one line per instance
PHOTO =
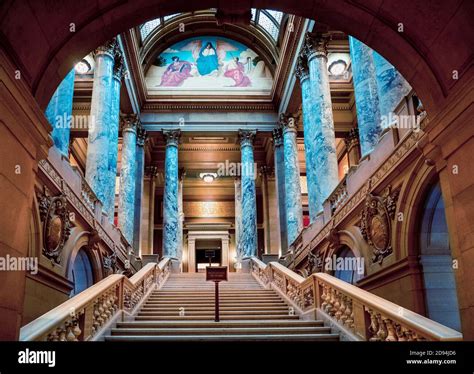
351,238
419,53
410,202
80,240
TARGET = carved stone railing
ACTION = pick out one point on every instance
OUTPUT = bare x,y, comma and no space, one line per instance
87,314
339,196
358,314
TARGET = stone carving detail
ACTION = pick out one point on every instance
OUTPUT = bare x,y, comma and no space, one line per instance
376,222
172,137
110,263
302,70
314,264
315,45
56,224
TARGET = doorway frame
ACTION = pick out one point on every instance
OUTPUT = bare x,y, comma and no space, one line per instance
223,236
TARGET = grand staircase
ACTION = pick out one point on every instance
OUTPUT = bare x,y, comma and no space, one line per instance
183,310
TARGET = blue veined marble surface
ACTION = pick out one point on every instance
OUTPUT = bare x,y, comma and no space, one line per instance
319,136
248,238
309,121
113,148
59,113
138,196
366,95
170,203
97,166
238,216
391,86
294,208
126,212
281,196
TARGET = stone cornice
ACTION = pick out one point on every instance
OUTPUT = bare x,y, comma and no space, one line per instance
207,106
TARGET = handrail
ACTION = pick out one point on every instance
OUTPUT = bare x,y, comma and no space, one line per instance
86,314
365,315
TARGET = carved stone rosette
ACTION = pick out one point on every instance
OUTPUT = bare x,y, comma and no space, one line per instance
376,222
56,224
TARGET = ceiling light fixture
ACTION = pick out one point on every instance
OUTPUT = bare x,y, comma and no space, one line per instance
208,177
338,67
82,67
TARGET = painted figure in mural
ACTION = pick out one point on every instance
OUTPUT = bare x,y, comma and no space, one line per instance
235,70
207,61
176,73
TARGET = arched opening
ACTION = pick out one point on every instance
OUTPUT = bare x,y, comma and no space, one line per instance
346,266
435,257
82,274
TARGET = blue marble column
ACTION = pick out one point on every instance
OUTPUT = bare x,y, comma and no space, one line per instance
294,208
181,175
238,216
391,86
366,96
59,113
248,237
319,136
97,166
126,210
279,160
109,204
170,195
139,179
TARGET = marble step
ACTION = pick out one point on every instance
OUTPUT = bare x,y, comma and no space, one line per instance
147,308
222,324
221,331
222,338
211,318
225,312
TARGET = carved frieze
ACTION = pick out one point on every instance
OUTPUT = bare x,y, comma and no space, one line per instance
376,222
56,224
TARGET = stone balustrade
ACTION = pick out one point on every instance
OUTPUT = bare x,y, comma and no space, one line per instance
89,313
339,196
354,312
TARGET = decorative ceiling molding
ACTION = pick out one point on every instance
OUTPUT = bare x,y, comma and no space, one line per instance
157,107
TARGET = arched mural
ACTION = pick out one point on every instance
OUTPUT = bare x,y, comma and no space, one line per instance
208,65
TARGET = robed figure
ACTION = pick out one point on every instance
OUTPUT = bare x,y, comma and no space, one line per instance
207,61
176,73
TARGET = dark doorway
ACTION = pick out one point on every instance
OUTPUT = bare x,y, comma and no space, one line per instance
82,275
205,248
